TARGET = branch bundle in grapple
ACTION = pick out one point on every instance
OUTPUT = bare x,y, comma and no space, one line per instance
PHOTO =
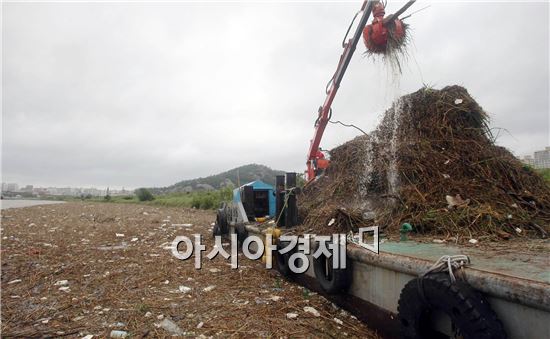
433,163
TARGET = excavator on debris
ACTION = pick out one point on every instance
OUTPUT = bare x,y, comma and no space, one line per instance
377,37
401,289
258,201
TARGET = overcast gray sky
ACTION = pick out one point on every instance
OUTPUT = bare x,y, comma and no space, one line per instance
146,94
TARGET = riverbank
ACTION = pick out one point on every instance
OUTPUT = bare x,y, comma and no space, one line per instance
90,268
19,203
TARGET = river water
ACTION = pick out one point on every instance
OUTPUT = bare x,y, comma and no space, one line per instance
17,203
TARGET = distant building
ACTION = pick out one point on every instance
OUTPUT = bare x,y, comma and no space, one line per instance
92,191
12,187
541,159
41,191
529,160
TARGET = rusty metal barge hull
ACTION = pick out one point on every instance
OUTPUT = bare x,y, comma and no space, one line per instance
517,286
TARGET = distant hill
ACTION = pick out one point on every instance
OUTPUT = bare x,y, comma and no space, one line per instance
246,173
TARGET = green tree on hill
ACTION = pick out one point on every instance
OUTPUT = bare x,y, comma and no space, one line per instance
144,194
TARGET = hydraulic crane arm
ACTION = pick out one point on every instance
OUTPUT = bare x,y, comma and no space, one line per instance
375,36
324,111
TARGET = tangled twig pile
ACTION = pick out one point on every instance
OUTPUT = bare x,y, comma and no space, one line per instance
432,162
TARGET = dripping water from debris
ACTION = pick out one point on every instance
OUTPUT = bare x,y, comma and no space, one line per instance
392,174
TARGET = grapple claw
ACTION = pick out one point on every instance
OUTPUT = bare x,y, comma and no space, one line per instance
377,34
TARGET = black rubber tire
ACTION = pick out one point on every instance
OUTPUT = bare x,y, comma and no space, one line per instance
221,220
242,234
281,260
468,309
216,230
335,280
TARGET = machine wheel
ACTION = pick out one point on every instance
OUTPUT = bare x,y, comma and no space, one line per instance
242,234
216,230
221,220
332,280
470,313
281,260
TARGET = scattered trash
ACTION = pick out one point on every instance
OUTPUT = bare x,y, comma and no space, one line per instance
117,324
172,327
15,281
107,306
166,246
209,288
275,298
473,241
331,222
456,201
122,246
119,235
118,334
240,302
292,315
458,101
503,235
438,241
406,228
311,310
260,301
145,213
518,230
184,289
446,176
338,321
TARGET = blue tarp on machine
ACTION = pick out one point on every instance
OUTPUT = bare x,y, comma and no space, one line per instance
257,186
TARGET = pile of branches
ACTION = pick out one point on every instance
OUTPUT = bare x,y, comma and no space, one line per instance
432,162
324,199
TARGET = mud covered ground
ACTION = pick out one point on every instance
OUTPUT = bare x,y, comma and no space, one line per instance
80,269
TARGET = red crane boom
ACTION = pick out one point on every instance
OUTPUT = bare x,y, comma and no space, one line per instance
349,46
324,111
